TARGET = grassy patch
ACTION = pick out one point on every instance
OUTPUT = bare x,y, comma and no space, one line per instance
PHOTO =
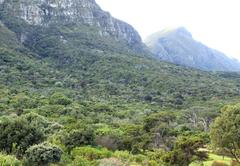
212,158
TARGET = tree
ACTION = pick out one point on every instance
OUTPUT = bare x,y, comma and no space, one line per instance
41,123
225,131
79,138
199,117
109,138
60,99
43,154
17,134
160,126
186,150
135,138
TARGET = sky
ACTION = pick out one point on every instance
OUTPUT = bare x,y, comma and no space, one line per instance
215,23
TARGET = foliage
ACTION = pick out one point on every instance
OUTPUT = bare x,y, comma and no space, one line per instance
99,100
79,137
43,154
135,139
185,151
81,161
91,153
59,99
41,123
110,162
225,130
8,160
17,135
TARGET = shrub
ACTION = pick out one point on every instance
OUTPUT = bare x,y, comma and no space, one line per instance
43,154
41,123
123,155
79,138
80,161
17,134
139,158
185,151
60,99
100,107
110,162
7,160
91,153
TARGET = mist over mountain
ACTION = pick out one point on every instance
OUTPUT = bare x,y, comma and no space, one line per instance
179,47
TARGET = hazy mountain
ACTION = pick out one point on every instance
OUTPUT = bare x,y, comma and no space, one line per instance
179,47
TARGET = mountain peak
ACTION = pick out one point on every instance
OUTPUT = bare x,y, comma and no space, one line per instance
175,31
176,45
183,31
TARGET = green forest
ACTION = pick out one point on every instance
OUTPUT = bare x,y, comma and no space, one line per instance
70,97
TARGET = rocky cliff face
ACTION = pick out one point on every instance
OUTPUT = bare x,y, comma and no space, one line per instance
87,12
179,47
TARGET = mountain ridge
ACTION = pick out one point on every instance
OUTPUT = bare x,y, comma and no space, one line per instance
82,12
178,46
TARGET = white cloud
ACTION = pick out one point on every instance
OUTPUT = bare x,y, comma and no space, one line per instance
213,22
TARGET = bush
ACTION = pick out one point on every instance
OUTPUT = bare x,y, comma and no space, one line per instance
7,160
139,158
79,138
41,123
100,107
43,154
109,138
110,162
91,153
16,135
80,161
123,155
185,151
60,99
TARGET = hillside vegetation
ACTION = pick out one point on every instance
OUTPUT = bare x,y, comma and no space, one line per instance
70,96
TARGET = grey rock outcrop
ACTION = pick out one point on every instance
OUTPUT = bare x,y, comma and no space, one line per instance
178,46
87,12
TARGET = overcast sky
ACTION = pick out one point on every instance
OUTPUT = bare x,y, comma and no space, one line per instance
215,23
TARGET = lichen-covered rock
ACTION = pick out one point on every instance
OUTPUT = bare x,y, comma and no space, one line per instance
87,12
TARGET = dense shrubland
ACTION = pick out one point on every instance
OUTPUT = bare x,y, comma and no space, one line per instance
73,132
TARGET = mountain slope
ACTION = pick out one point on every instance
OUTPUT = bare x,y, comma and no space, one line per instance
47,13
178,46
96,96
77,58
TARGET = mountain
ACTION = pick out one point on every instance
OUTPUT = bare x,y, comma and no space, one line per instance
75,46
178,46
47,13
79,88
69,54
